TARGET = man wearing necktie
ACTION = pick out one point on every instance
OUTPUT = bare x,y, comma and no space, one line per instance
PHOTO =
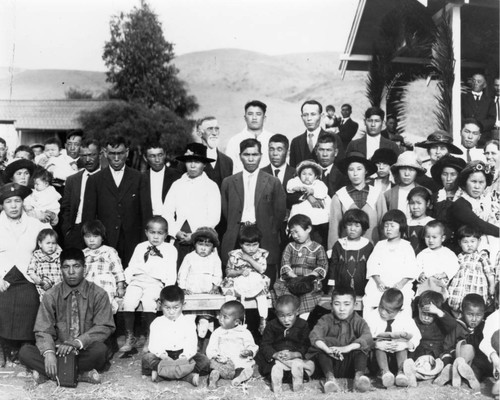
73,316
470,136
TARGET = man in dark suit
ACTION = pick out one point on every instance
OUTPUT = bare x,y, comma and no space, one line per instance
159,177
118,197
208,130
479,104
253,197
72,203
326,152
278,150
303,145
347,127
373,140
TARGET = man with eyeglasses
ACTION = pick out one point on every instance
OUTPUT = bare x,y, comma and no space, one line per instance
470,136
373,140
118,197
207,128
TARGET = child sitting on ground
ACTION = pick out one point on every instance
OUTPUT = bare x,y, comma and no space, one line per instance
231,348
437,264
102,263
44,268
490,347
303,266
43,202
341,341
245,271
284,344
461,355
201,270
419,201
395,334
153,265
350,253
475,273
173,343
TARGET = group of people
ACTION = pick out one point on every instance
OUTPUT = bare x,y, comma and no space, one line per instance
324,214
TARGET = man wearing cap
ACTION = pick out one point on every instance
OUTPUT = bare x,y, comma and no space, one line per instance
470,136
373,140
253,197
193,200
117,196
207,128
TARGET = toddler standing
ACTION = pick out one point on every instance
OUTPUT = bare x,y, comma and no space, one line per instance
43,202
419,201
45,268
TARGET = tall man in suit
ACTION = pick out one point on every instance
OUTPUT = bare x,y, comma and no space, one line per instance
373,140
253,197
303,145
118,197
72,203
278,167
326,151
159,178
347,127
208,130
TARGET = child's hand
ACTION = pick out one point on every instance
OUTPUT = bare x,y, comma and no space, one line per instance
308,190
183,356
221,359
399,346
46,284
384,345
284,355
381,286
431,308
120,292
215,290
164,356
246,353
245,272
421,278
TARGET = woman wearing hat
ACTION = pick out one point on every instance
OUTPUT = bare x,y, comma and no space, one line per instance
19,298
357,194
19,171
473,208
406,170
383,159
438,144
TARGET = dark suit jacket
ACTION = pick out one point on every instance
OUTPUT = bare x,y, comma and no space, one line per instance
347,131
483,110
299,150
270,209
71,201
359,145
289,174
335,180
223,168
171,175
125,208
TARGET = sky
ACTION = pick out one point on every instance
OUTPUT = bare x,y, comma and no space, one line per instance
70,34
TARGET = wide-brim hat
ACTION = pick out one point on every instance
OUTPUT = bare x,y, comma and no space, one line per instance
207,232
447,161
384,155
13,189
442,138
16,165
408,159
476,166
195,151
355,156
309,164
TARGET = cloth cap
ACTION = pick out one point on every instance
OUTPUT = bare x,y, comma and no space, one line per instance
13,189
309,164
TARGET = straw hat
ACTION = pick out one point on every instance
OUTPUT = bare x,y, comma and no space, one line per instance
408,159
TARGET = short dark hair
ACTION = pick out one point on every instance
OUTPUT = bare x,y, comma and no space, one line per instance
279,138
430,296
419,191
2,141
75,132
330,107
43,174
358,216
474,121
117,140
237,307
87,142
346,105
157,219
72,253
397,216
467,231
245,144
473,300
44,233
152,144
328,138
374,111
53,140
249,234
343,291
301,220
25,148
311,102
35,146
287,299
94,227
256,103
391,116
393,297
172,293
435,224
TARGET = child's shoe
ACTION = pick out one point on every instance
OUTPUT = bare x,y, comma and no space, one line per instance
467,373
262,325
129,343
410,371
361,382
212,379
401,380
244,376
444,376
192,378
91,376
276,380
387,379
331,385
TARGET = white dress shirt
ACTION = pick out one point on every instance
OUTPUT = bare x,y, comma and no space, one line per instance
117,175
212,153
372,144
173,336
233,147
85,178
281,172
475,154
156,182
248,214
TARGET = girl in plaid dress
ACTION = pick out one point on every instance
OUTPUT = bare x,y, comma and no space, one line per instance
102,263
302,257
475,273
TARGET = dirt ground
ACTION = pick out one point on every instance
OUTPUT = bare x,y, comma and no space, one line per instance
124,381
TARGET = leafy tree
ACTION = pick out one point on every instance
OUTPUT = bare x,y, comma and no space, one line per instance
74,93
139,61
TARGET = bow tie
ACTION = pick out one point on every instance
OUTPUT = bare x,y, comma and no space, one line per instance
152,251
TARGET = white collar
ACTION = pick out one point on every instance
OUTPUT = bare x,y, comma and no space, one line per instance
161,171
314,132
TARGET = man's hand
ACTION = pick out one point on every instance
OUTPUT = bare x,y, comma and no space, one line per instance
50,365
316,203
4,285
381,286
335,352
67,347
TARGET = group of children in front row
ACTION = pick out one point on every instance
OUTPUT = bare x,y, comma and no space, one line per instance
340,342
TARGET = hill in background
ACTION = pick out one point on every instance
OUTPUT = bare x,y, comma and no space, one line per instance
224,80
